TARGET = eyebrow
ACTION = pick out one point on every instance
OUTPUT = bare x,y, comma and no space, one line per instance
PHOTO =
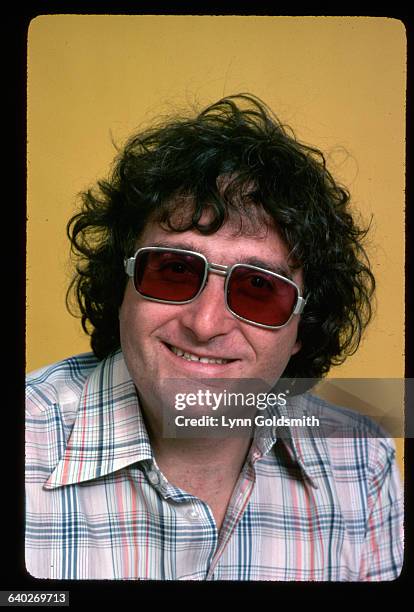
279,268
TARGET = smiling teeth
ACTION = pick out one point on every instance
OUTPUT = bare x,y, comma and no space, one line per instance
192,357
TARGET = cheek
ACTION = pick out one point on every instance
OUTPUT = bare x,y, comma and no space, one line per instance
296,347
140,318
278,342
135,335
130,318
296,344
126,310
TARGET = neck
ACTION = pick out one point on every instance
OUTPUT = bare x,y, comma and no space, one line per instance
202,452
208,458
207,468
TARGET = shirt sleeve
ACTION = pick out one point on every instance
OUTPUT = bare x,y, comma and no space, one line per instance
383,548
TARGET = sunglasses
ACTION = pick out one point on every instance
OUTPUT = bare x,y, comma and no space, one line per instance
177,276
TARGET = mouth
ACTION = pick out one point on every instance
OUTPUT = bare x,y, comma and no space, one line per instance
210,359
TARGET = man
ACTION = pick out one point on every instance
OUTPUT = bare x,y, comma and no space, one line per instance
221,249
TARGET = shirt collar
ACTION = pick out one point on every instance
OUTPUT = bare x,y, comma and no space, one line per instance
308,451
310,454
311,450
109,432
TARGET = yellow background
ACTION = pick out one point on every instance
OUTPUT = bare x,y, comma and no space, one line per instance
338,81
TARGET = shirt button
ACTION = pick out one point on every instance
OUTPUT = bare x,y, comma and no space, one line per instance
192,514
153,477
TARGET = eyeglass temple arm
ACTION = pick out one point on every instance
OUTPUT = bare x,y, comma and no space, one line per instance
300,305
129,265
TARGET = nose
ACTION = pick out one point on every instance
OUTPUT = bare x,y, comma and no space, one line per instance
208,316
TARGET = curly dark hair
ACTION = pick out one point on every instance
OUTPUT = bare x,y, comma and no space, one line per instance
270,173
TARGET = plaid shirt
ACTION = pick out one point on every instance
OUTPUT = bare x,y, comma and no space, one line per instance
97,506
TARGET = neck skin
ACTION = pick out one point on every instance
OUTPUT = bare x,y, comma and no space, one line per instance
207,468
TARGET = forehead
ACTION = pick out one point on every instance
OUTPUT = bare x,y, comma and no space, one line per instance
265,247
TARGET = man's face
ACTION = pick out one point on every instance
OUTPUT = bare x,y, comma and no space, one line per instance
204,327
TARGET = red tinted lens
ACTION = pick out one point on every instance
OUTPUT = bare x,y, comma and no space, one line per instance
260,297
168,275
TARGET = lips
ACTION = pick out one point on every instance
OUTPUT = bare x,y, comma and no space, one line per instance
210,359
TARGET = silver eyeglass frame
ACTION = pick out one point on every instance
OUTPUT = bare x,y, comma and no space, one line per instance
129,264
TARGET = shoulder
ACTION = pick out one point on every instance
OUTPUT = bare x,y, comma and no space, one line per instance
52,402
336,419
356,447
59,383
